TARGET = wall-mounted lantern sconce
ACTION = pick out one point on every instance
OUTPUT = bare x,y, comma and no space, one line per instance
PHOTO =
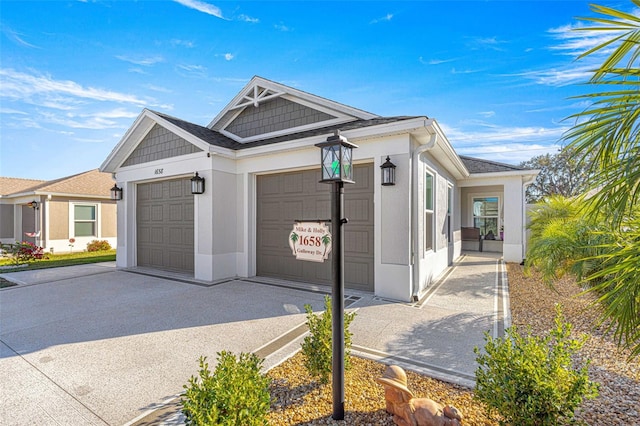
336,159
33,204
197,184
388,170
116,193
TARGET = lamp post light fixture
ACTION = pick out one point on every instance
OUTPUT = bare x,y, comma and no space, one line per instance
388,170
116,193
336,161
197,184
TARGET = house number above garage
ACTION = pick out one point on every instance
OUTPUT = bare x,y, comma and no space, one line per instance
158,171
310,241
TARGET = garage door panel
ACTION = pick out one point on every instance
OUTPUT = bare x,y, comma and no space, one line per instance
357,242
356,210
156,191
293,183
291,210
175,212
270,211
284,198
270,185
157,213
272,238
156,235
165,227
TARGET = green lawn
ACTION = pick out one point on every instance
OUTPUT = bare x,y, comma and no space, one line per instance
66,259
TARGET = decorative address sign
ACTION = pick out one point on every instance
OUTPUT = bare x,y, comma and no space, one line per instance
310,241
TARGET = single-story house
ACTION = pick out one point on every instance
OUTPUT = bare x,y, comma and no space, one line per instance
50,213
261,171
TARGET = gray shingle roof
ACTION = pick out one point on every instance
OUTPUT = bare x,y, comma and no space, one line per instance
478,165
218,139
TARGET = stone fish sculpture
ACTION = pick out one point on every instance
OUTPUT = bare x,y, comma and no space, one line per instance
410,411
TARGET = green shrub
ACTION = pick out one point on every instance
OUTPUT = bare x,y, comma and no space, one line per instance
236,394
98,245
317,347
531,380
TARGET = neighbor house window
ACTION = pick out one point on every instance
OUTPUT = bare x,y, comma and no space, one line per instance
428,211
84,220
486,215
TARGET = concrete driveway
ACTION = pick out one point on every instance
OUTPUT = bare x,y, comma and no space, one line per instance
106,347
93,345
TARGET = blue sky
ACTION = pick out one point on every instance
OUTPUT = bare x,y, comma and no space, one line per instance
497,75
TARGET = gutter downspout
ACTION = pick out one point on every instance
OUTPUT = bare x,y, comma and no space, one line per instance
413,184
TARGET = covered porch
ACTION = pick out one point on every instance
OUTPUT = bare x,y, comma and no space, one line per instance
492,208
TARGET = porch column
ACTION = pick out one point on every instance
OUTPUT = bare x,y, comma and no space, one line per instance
513,214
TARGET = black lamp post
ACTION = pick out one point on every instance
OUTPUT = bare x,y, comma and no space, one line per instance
116,193
197,184
337,169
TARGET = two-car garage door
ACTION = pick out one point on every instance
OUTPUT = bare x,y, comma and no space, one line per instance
286,197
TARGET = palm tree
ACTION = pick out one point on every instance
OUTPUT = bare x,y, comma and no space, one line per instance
609,129
608,132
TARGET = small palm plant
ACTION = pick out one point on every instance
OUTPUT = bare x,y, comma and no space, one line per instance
294,239
326,240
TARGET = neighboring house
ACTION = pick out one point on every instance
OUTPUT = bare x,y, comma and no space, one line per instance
50,213
261,169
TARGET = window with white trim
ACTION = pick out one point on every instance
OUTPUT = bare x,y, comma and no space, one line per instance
486,214
428,211
84,220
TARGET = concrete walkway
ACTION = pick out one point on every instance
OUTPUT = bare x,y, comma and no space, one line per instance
92,345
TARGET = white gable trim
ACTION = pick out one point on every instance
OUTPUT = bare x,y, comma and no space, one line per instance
244,97
140,128
340,118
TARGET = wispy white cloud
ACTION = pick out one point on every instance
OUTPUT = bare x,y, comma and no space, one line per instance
229,56
476,133
514,153
573,40
477,138
282,27
12,111
158,88
184,43
146,62
20,86
487,114
490,43
249,19
467,71
203,7
17,37
557,77
435,61
386,18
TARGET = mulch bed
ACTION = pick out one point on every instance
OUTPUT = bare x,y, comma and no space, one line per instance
298,400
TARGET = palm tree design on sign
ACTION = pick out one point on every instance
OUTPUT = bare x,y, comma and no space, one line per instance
294,238
326,240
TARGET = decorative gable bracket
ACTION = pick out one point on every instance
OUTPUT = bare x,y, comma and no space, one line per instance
257,95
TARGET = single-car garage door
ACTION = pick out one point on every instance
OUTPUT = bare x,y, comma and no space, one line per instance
165,225
286,197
